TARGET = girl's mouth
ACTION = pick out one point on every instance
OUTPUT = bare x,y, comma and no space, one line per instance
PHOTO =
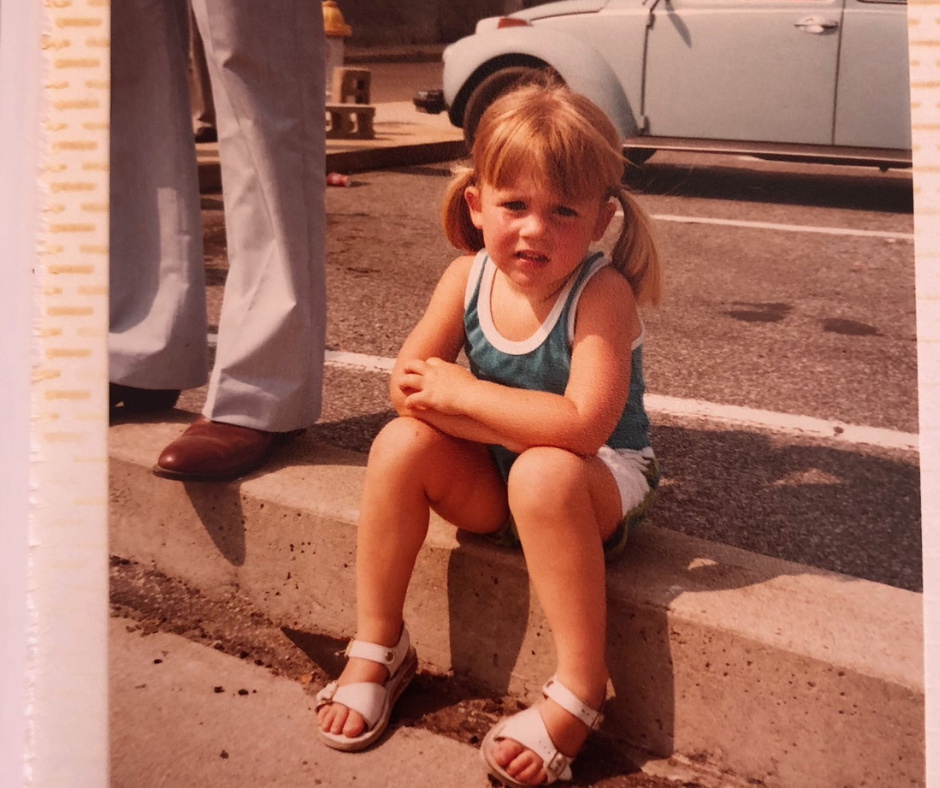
532,257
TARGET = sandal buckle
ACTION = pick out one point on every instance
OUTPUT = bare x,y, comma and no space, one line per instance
555,765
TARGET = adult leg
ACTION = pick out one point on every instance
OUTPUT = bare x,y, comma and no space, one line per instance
200,89
266,69
266,66
564,506
157,337
412,468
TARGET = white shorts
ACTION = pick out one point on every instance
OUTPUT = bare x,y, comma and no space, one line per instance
636,474
629,468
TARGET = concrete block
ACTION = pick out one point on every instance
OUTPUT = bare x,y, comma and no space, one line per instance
351,85
350,121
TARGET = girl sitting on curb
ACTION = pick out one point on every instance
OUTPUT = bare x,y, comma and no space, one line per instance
544,442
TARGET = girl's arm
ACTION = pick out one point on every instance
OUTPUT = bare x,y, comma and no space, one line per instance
582,419
439,334
466,428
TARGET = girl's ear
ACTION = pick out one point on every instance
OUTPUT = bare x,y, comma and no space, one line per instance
474,202
604,217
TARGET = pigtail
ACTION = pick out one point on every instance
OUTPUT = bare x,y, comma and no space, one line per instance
455,214
635,254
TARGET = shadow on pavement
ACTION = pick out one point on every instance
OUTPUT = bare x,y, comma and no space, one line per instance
829,188
324,651
480,602
841,510
219,508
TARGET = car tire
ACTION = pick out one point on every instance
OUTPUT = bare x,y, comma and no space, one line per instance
638,156
484,94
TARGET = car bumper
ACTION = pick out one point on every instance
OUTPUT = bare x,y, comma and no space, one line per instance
430,101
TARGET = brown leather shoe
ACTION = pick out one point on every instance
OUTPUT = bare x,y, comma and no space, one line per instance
135,400
212,451
206,134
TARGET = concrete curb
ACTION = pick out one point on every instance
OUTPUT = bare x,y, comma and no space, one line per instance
405,53
404,137
404,155
776,672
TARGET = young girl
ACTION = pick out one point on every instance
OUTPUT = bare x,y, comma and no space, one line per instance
544,441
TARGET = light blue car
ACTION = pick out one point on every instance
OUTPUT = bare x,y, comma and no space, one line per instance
823,80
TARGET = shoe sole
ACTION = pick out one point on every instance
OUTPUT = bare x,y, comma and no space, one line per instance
231,476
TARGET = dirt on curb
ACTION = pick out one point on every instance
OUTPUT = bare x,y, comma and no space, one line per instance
445,705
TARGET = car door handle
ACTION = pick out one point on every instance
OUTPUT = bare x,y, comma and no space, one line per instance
816,24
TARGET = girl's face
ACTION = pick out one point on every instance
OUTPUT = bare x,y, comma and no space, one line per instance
534,237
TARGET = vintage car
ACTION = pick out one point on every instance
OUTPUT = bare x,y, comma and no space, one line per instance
807,79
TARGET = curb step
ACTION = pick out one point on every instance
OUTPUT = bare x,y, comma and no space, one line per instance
404,137
775,672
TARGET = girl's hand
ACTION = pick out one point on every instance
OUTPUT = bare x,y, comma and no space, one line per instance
434,385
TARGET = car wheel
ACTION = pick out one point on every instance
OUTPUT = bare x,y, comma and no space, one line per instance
638,156
487,92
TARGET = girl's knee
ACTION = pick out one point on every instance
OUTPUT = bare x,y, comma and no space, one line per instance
403,439
545,479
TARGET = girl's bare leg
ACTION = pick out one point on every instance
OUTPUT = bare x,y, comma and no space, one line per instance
412,468
564,507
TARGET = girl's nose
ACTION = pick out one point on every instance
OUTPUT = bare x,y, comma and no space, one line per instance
533,224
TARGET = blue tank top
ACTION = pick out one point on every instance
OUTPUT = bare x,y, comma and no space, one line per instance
543,361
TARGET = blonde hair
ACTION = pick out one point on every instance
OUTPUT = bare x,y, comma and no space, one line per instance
545,128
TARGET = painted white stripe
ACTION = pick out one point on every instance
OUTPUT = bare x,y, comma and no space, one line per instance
730,415
790,228
359,361
736,415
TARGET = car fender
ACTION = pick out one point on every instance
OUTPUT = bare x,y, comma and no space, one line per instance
583,69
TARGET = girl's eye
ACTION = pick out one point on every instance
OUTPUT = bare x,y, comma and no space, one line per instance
564,210
514,205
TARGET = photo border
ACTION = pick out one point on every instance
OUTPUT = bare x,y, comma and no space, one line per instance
54,80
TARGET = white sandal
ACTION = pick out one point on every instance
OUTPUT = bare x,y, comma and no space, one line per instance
528,728
373,701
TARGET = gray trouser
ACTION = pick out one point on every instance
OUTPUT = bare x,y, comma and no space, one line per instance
266,66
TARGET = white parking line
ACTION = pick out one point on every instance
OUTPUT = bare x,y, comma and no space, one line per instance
358,361
738,416
790,228
728,415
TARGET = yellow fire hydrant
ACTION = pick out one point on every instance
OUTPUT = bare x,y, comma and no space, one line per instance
337,31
